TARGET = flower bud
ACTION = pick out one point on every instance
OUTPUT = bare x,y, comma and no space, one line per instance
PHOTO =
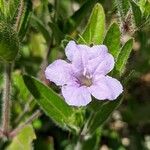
9,43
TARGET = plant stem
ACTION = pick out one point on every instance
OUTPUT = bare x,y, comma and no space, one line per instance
6,99
30,119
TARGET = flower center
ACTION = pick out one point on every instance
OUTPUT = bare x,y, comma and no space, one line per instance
86,81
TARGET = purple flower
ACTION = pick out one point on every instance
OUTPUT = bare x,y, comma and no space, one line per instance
85,75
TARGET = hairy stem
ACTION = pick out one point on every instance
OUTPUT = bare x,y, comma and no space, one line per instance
6,99
30,119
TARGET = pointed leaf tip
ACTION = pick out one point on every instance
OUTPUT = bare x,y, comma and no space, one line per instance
95,29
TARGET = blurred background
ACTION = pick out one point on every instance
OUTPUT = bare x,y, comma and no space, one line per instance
129,126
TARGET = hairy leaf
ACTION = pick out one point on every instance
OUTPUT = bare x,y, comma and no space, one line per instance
123,56
136,13
123,6
51,103
112,40
95,29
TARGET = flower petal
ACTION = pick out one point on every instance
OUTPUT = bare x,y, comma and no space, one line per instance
96,51
101,65
85,57
76,54
59,72
76,95
105,87
70,50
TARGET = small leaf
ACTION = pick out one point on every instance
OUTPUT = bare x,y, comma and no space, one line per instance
102,115
136,13
112,40
23,141
79,15
95,29
51,103
123,56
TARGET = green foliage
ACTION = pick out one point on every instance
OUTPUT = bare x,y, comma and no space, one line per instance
9,43
122,7
25,18
145,7
17,13
41,27
23,141
78,16
19,85
51,103
51,28
123,56
136,13
95,29
112,40
57,33
92,142
98,118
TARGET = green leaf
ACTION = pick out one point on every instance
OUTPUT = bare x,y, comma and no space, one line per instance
92,143
98,118
123,56
136,13
95,105
25,19
41,27
23,141
51,103
95,29
112,40
123,6
79,15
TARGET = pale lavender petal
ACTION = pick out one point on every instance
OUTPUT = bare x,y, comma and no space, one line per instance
59,72
97,51
101,65
115,86
105,87
71,50
76,95
77,55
